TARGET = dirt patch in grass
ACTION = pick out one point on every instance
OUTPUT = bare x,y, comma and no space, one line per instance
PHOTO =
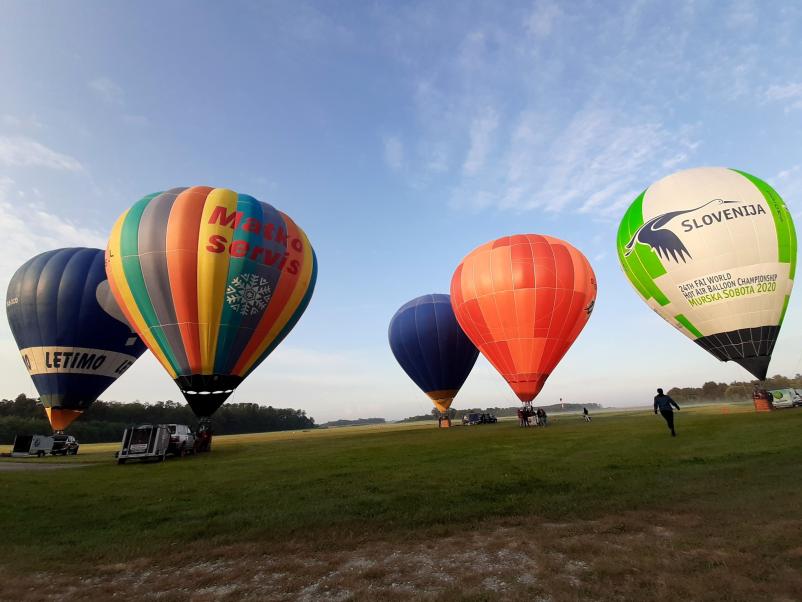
635,556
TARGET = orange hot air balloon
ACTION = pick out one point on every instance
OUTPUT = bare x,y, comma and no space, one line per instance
523,300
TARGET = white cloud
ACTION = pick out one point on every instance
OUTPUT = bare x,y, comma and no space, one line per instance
790,93
136,120
742,15
21,151
28,229
784,91
788,184
542,19
393,152
31,122
107,90
594,163
482,130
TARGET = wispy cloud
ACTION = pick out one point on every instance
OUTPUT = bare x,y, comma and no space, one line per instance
790,94
542,19
107,90
741,14
136,120
393,152
28,229
482,130
595,164
21,151
31,122
788,183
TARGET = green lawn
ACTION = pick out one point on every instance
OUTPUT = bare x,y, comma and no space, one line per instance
395,480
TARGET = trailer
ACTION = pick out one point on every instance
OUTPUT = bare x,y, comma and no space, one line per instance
32,445
144,442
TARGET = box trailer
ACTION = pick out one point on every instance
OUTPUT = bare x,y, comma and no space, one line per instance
32,445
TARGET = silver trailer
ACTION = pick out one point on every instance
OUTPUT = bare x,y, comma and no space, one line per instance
32,445
144,442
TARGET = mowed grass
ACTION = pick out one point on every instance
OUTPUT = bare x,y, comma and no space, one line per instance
397,482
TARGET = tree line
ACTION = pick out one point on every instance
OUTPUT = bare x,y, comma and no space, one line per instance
734,391
105,421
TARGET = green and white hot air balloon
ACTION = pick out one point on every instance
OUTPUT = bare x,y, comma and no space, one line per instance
713,251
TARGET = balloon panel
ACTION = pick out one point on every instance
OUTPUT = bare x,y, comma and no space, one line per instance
212,280
523,300
713,251
71,338
431,347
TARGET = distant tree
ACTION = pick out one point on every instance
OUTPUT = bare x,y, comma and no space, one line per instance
105,420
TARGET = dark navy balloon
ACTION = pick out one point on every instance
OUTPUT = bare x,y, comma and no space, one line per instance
432,348
72,336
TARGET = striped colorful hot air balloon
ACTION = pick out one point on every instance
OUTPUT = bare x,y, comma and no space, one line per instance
212,281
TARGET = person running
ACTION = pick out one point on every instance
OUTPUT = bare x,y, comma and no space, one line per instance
663,403
585,415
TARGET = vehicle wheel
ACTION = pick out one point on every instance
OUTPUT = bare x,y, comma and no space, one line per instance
40,454
121,460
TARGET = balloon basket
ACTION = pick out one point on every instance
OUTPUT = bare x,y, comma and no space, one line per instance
763,405
444,422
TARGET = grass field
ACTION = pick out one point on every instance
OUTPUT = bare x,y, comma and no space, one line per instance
611,509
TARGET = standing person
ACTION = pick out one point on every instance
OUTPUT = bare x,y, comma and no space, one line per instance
585,414
663,403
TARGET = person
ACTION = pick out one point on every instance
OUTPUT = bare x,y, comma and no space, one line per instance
585,414
663,403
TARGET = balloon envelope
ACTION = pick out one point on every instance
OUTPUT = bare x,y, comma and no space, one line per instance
713,251
68,330
431,347
212,281
523,300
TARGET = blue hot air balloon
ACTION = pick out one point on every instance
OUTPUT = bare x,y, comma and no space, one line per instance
432,348
72,335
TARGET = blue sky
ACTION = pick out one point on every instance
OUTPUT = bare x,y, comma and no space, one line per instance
399,136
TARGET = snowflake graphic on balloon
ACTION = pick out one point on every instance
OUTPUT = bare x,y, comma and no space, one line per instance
248,294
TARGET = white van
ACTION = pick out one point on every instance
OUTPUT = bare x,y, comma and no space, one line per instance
786,398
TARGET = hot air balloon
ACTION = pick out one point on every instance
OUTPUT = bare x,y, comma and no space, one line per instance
72,336
713,251
212,281
523,300
429,344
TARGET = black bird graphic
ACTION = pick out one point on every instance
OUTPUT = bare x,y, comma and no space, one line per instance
664,241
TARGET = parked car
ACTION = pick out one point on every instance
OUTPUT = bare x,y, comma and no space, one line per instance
182,440
64,445
144,442
473,418
786,398
489,419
